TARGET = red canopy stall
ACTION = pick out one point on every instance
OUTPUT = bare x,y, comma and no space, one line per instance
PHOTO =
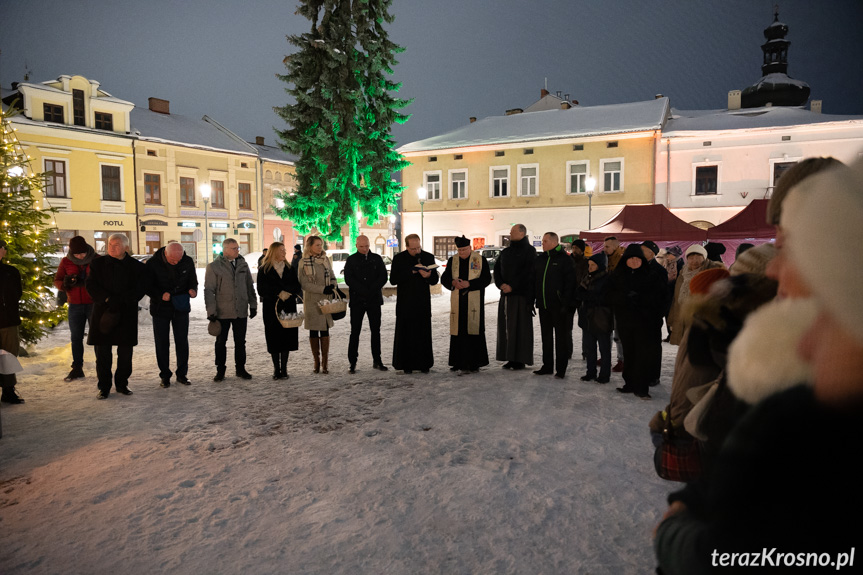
635,224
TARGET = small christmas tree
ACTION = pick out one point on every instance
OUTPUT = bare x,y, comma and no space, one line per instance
26,229
341,119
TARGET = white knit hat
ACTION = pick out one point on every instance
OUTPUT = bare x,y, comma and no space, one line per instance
696,249
829,205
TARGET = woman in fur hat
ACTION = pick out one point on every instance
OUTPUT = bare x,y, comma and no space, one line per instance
696,261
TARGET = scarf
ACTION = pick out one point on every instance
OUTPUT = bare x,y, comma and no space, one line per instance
309,267
687,275
473,297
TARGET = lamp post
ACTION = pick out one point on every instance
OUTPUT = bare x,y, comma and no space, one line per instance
421,193
205,194
590,186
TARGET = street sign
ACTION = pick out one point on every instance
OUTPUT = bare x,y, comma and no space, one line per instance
197,235
392,243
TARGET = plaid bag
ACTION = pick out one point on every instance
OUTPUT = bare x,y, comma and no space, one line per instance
678,458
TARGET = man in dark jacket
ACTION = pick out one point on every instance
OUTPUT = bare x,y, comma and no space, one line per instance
116,283
413,272
555,277
513,276
70,277
10,294
365,274
174,283
650,249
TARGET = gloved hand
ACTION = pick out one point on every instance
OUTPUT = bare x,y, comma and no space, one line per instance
283,295
69,282
328,290
211,317
253,312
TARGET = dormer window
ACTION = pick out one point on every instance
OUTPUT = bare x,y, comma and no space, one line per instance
104,121
78,107
52,113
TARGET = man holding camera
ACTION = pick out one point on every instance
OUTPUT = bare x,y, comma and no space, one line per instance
71,275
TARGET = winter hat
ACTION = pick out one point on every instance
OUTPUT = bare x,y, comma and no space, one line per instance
701,282
661,253
675,251
753,260
600,259
651,246
714,251
78,245
580,244
695,249
588,251
829,205
632,251
462,242
214,328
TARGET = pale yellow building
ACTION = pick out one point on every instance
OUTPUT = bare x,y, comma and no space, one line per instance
277,174
79,135
174,157
531,168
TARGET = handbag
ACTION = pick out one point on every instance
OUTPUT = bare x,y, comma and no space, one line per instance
340,295
182,302
678,458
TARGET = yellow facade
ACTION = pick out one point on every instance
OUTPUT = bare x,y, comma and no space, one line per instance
277,177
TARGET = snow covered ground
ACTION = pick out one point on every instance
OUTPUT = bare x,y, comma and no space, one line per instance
495,472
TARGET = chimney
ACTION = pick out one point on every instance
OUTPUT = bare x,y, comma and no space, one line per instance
815,106
734,100
558,93
566,97
565,105
159,106
259,140
658,96
514,111
472,119
543,93
575,102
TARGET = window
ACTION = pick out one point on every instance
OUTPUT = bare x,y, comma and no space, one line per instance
611,144
218,193
52,113
612,174
499,181
528,151
499,154
268,175
432,158
187,191
152,153
706,179
245,243
528,180
245,195
432,185
152,189
780,168
100,239
56,184
78,107
458,157
444,247
577,147
576,180
458,184
278,176
104,121
111,183
244,164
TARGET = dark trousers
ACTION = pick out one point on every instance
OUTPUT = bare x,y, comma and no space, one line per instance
79,316
9,342
603,340
104,361
162,327
357,313
556,330
239,326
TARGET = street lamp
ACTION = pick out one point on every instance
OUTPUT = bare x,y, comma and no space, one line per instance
206,190
421,193
590,186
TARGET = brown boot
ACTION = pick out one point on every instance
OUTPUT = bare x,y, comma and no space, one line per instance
315,343
325,353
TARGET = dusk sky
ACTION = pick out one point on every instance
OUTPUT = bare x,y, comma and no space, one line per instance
462,57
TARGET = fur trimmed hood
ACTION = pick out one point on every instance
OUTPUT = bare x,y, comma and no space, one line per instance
763,359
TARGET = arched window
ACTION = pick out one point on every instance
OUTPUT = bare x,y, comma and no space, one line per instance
268,175
278,176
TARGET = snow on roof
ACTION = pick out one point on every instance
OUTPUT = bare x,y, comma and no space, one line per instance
579,121
779,79
177,129
683,121
274,154
46,86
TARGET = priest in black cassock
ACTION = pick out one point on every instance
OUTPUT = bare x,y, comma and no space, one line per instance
467,275
412,341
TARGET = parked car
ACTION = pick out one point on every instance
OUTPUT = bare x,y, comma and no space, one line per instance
338,259
490,253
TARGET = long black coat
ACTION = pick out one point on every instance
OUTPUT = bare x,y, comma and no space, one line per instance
116,285
365,276
176,280
279,338
515,267
412,341
555,281
10,295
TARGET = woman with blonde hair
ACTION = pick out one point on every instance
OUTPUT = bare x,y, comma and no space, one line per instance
319,283
278,287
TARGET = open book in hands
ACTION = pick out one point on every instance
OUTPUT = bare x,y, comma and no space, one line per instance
425,268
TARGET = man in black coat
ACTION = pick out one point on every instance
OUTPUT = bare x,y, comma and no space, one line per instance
365,274
412,341
513,276
555,286
174,283
11,290
650,249
115,284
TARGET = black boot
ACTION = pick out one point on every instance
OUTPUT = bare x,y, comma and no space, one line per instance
277,373
284,364
220,374
76,373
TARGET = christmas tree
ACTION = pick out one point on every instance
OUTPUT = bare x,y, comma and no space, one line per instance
339,125
26,229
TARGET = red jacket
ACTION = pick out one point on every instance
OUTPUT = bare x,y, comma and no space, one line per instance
76,293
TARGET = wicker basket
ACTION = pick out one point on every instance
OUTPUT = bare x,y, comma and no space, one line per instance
294,322
336,305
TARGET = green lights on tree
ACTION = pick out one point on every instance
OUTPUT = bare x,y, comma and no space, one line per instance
26,229
339,125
